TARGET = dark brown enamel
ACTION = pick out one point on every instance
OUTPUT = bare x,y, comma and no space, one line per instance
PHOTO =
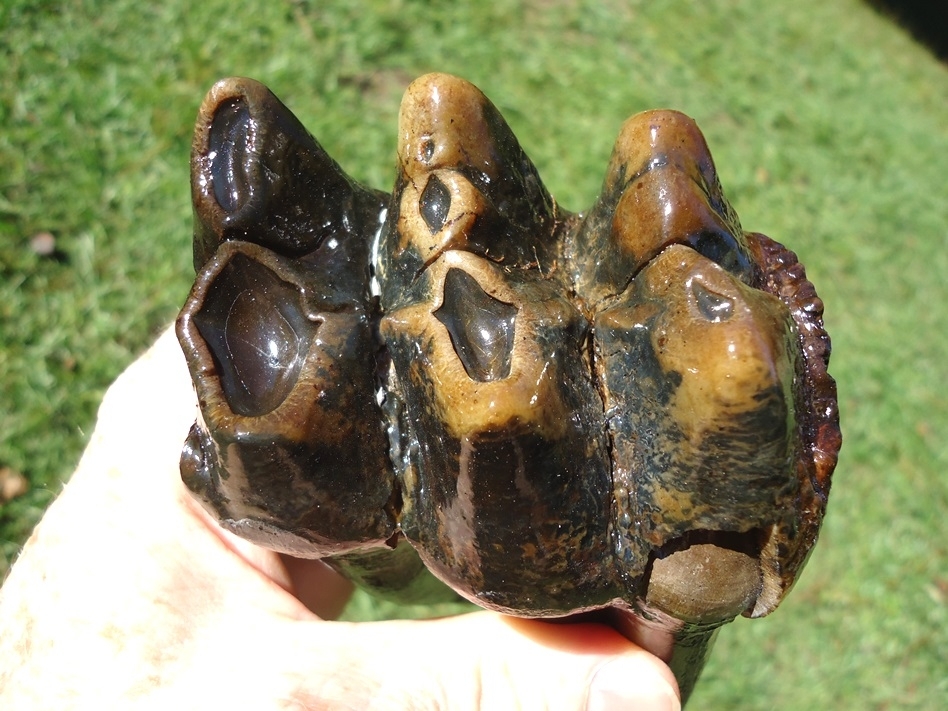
290,451
252,323
257,175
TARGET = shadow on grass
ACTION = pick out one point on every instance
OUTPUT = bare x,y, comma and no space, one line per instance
925,19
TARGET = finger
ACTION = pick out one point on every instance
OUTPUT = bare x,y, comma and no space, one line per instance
150,406
480,661
129,476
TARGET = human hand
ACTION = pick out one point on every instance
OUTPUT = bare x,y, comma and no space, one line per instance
129,595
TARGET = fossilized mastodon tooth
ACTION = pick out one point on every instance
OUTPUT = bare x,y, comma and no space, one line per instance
626,409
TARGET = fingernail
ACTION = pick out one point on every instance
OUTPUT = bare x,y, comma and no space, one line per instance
624,684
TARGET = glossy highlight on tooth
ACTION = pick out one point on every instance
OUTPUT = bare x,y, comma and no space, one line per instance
230,140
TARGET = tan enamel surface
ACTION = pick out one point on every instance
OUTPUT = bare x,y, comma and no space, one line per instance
430,134
466,204
723,365
663,204
528,396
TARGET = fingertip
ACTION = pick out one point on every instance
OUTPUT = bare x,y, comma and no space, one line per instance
633,681
486,660
534,663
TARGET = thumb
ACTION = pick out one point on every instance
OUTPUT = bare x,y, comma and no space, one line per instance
482,661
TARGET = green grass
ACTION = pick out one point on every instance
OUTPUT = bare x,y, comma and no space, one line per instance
830,131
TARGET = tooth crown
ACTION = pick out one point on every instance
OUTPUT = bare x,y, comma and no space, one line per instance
558,412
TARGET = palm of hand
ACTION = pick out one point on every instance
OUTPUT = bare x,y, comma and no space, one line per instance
127,592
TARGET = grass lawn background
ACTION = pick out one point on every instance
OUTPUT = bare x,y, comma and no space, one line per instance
829,127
